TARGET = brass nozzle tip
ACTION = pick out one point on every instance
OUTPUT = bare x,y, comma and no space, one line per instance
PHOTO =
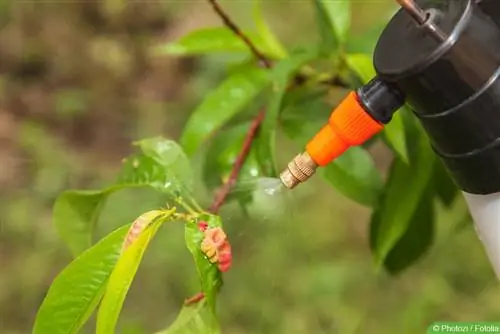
299,170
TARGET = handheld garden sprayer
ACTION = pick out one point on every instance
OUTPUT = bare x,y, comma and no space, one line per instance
441,58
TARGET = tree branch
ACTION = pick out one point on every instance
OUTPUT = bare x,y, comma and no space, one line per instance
224,191
238,32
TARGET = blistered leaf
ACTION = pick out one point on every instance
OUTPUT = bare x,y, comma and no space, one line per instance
161,166
209,40
208,273
405,187
355,175
272,43
395,133
267,135
219,106
138,238
76,291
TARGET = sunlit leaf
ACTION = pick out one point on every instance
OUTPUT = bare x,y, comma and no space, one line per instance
76,291
162,166
208,273
395,133
210,40
416,240
403,192
219,106
141,233
272,43
339,17
355,175
192,319
280,76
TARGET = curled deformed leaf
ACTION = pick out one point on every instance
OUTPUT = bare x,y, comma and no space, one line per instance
208,272
135,244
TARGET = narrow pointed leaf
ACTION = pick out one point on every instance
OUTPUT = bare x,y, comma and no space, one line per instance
76,291
404,189
339,15
120,280
416,240
446,189
227,100
207,41
268,38
266,150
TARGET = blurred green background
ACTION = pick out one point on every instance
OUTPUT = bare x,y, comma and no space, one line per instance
78,83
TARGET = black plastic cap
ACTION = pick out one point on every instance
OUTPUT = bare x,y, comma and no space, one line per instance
380,99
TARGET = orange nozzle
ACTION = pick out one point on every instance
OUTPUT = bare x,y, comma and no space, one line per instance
349,125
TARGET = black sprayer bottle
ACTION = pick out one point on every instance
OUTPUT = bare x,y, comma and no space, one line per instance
441,58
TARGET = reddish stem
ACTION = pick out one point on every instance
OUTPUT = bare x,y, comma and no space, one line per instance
240,160
196,298
237,31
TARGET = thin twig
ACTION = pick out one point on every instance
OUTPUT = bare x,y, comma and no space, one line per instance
240,160
236,30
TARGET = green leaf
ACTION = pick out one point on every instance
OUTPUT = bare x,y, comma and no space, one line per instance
362,65
339,15
208,273
210,40
333,19
304,112
221,155
125,269
75,215
77,290
281,75
192,319
268,38
395,134
405,187
172,160
355,175
446,189
162,166
221,105
417,239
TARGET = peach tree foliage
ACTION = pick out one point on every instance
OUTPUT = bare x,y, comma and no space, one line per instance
101,273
